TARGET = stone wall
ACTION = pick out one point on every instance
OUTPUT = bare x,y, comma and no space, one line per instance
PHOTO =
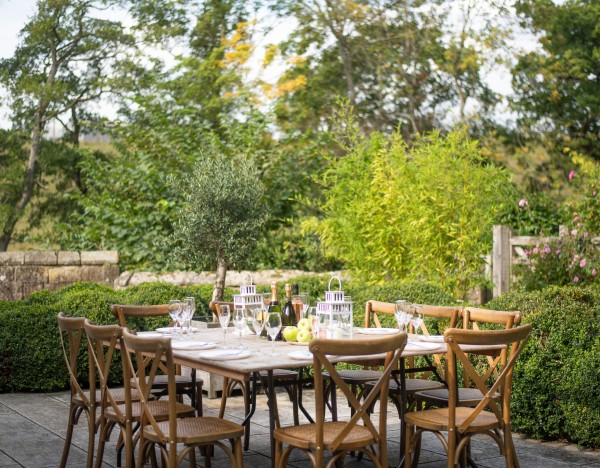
22,273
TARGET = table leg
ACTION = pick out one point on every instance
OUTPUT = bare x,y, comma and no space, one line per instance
273,413
252,400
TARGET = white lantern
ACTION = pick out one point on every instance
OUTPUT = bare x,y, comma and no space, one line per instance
247,296
335,314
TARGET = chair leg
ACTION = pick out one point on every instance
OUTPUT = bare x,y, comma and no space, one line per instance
104,428
239,460
452,441
199,409
246,396
407,446
92,436
69,436
224,396
295,404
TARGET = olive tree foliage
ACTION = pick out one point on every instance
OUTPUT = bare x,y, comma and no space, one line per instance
222,215
422,212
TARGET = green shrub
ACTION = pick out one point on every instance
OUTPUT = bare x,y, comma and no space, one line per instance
30,353
556,382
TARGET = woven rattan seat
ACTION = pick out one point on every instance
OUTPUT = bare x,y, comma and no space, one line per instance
159,408
357,376
169,431
491,415
440,396
196,430
305,436
359,433
118,395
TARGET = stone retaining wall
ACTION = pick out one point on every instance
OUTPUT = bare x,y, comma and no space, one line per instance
22,273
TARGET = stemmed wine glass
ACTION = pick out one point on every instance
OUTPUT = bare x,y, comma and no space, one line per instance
401,314
239,321
189,308
417,318
175,310
258,323
224,317
273,325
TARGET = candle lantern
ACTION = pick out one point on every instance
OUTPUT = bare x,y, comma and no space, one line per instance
334,314
247,296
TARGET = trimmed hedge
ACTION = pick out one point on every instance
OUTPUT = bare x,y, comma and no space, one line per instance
30,353
556,389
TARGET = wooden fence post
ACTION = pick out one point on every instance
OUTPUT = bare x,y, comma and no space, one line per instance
501,259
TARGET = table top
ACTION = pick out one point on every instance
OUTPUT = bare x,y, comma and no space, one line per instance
288,355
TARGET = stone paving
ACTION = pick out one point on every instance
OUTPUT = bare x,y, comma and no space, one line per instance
33,426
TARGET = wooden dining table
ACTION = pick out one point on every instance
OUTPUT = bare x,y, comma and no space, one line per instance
247,365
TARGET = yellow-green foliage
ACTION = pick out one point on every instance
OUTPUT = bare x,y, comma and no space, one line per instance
421,212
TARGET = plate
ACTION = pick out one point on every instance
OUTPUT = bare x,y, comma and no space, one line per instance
192,345
172,330
225,354
302,355
377,331
421,345
426,338
150,334
298,343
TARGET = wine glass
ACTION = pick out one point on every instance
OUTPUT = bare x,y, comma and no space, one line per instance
305,303
417,318
273,325
224,317
400,313
258,323
174,309
189,308
239,321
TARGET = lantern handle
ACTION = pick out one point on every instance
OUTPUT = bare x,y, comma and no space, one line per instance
339,283
246,277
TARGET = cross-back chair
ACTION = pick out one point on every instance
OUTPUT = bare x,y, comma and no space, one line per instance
167,432
71,330
358,433
491,415
103,343
186,385
288,379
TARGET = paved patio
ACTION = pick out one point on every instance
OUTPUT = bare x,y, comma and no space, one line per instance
32,430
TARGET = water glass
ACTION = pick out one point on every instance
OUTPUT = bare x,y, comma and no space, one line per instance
239,321
175,308
401,313
258,323
305,303
417,318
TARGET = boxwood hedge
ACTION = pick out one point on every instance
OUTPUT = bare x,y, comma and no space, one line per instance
556,389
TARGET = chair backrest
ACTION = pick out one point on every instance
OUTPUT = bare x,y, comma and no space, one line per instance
151,355
392,346
373,308
473,316
123,312
71,331
214,306
514,340
103,341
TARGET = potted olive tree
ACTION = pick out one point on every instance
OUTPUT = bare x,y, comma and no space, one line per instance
222,217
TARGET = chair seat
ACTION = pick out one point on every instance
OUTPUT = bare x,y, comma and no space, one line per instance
117,394
437,419
159,408
357,376
280,374
304,436
161,381
412,385
197,430
466,396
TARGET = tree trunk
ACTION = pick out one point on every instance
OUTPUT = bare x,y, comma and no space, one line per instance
34,151
219,287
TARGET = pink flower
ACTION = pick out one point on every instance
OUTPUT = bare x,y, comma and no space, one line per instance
557,252
594,272
523,203
575,219
594,193
586,234
547,249
576,279
575,257
571,175
582,263
535,250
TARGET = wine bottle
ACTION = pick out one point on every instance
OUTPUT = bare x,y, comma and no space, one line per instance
275,306
288,315
296,302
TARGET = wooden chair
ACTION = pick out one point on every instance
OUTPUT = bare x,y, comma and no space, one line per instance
190,386
340,437
71,335
285,378
490,416
472,318
167,432
361,379
103,341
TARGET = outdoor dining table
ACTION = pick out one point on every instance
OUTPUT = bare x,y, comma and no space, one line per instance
287,357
